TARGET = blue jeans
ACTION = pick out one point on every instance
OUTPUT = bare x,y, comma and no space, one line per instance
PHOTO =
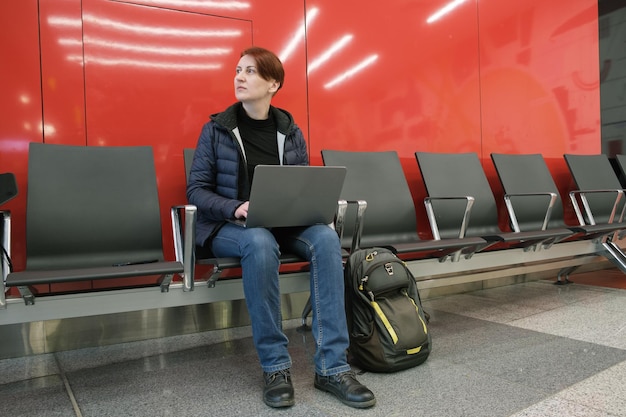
259,250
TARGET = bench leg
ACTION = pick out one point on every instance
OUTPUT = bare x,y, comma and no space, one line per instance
27,295
217,271
166,280
565,272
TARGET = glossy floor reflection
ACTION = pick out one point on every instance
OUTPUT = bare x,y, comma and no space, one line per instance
533,349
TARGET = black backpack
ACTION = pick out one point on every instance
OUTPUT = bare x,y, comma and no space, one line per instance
387,325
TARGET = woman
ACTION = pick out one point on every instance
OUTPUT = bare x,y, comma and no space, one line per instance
231,144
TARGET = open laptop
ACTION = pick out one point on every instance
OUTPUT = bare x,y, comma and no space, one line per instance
293,195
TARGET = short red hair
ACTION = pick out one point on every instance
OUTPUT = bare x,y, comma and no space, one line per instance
267,63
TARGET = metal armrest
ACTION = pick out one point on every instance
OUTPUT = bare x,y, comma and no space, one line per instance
511,210
340,218
5,265
428,201
582,194
185,242
361,206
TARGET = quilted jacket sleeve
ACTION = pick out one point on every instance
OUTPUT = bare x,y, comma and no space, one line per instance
296,154
212,185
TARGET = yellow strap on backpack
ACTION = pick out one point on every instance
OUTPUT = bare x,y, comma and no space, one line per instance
385,321
418,315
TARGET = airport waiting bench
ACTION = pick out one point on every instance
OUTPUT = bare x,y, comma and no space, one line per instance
390,221
467,227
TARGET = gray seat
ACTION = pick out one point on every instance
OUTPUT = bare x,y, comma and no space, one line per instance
92,213
450,179
599,196
528,185
390,219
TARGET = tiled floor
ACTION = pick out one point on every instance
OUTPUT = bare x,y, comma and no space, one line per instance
532,349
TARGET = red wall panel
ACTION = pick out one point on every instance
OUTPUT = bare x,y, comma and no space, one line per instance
539,83
417,88
539,77
62,83
20,105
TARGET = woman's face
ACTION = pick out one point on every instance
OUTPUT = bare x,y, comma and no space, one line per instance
249,85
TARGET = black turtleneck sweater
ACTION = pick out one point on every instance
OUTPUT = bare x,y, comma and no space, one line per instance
259,141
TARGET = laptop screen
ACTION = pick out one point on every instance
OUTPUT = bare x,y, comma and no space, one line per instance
294,195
